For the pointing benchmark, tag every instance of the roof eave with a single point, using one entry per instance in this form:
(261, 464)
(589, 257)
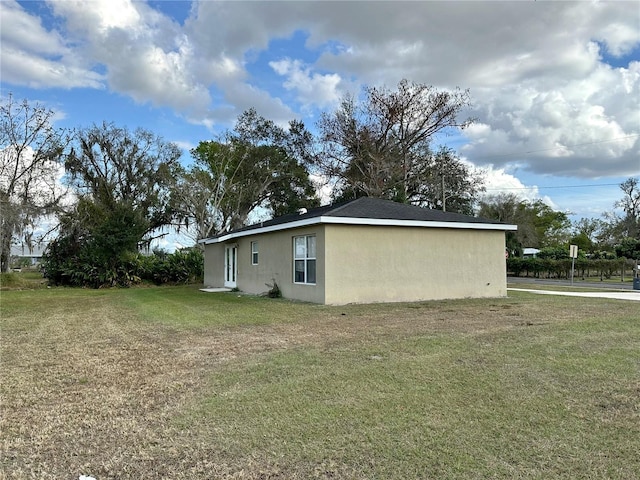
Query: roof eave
(357, 221)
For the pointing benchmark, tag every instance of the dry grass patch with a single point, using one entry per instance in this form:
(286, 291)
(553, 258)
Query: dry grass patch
(173, 383)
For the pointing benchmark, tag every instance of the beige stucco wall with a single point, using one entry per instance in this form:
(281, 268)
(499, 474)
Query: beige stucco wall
(391, 264)
(363, 264)
(214, 265)
(275, 262)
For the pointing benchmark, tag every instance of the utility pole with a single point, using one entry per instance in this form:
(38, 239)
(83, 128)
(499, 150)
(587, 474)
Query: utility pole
(444, 197)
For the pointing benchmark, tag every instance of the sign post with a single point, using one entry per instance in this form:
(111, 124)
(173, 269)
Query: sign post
(573, 253)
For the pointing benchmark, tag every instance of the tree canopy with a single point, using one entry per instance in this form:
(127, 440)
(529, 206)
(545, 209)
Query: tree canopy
(382, 146)
(258, 164)
(538, 224)
(630, 204)
(30, 154)
(121, 180)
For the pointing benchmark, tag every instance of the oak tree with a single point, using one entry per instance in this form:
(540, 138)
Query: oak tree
(122, 181)
(30, 155)
(257, 164)
(382, 146)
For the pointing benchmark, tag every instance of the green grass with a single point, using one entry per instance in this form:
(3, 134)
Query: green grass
(174, 383)
(441, 407)
(27, 279)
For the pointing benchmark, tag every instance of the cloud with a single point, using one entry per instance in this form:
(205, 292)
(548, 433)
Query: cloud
(545, 97)
(36, 57)
(499, 181)
(585, 127)
(313, 89)
(144, 53)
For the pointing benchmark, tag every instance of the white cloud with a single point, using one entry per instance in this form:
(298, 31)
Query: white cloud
(544, 98)
(498, 181)
(145, 54)
(36, 57)
(584, 128)
(313, 89)
(25, 32)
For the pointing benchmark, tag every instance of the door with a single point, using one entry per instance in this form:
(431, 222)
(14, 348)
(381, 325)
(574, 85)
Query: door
(230, 266)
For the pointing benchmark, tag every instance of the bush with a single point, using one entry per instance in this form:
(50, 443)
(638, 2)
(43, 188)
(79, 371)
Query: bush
(561, 268)
(182, 266)
(63, 266)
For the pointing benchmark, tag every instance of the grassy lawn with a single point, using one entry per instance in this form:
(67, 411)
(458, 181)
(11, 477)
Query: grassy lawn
(174, 383)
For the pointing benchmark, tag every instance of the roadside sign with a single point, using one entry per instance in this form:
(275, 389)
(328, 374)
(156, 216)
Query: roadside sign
(573, 251)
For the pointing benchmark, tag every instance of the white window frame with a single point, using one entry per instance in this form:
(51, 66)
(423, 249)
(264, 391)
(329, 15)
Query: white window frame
(254, 253)
(305, 259)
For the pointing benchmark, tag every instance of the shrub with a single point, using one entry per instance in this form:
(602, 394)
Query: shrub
(63, 266)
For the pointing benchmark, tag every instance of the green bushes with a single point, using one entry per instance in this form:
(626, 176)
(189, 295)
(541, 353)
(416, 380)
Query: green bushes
(183, 266)
(561, 268)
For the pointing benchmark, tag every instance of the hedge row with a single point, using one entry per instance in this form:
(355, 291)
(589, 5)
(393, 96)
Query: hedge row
(551, 268)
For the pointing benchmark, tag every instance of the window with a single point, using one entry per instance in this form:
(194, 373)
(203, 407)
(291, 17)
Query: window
(304, 259)
(254, 253)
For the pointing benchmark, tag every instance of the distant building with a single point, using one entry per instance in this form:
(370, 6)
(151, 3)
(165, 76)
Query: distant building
(21, 252)
(530, 252)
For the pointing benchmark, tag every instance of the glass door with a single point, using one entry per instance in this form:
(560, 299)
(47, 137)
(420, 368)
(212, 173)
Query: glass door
(230, 266)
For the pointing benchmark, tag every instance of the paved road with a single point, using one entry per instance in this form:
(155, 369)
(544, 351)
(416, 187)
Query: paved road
(632, 295)
(567, 283)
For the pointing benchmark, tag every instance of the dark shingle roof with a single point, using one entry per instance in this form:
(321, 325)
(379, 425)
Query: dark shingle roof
(369, 208)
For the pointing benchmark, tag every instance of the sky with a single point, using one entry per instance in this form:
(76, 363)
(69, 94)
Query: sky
(555, 86)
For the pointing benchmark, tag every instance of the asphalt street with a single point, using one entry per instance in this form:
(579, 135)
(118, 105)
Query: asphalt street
(618, 295)
(618, 290)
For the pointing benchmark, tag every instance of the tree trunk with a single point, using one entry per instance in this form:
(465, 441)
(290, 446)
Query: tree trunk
(5, 252)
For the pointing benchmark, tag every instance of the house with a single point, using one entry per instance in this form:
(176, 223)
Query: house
(361, 251)
(22, 255)
(530, 252)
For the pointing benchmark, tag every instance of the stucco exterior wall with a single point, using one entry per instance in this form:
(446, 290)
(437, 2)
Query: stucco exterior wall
(275, 262)
(363, 264)
(391, 264)
(214, 265)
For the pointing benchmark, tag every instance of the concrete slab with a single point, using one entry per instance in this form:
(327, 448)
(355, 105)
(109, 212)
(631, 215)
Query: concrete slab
(215, 290)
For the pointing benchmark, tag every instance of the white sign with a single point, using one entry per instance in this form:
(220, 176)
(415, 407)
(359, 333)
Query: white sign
(573, 251)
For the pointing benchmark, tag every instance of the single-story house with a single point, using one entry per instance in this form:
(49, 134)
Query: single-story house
(361, 251)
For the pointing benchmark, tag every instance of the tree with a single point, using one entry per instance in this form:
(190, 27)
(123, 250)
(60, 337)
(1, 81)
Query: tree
(381, 147)
(509, 208)
(552, 227)
(112, 167)
(30, 155)
(538, 224)
(196, 200)
(628, 248)
(121, 180)
(258, 164)
(630, 204)
(614, 228)
(446, 184)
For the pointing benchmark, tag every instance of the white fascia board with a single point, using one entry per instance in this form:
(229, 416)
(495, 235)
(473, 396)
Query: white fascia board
(416, 223)
(270, 228)
(359, 221)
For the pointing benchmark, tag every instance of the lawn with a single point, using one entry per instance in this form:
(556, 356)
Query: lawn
(169, 382)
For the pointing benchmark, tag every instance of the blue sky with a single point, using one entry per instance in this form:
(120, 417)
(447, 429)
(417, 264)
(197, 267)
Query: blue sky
(555, 85)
